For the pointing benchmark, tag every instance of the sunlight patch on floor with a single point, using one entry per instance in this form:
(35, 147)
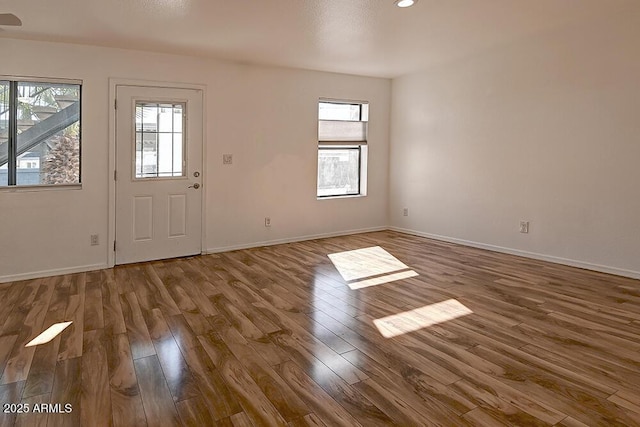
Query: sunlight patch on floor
(419, 318)
(379, 280)
(372, 266)
(51, 332)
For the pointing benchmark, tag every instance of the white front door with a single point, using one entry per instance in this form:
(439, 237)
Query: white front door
(158, 173)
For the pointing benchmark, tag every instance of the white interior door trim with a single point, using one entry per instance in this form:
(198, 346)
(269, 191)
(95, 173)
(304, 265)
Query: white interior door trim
(113, 84)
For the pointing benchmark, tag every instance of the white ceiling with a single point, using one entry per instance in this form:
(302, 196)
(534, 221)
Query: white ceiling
(364, 37)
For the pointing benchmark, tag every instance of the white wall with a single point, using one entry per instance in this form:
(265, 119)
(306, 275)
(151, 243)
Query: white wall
(266, 117)
(545, 130)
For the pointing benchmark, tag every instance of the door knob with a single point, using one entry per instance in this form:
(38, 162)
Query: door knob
(196, 186)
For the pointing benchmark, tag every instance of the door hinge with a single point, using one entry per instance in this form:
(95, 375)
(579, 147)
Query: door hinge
(114, 246)
(115, 175)
(115, 104)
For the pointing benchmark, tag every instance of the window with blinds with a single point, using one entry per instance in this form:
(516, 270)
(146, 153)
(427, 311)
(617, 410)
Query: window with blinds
(342, 147)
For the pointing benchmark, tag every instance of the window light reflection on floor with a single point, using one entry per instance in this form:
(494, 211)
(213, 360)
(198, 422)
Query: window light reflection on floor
(51, 332)
(372, 266)
(382, 279)
(419, 318)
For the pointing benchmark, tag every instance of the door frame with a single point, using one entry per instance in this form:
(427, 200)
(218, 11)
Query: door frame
(113, 85)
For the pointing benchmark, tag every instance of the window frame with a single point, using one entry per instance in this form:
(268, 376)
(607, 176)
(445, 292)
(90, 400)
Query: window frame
(338, 147)
(134, 172)
(361, 146)
(12, 128)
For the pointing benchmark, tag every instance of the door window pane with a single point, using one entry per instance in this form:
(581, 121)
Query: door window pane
(159, 140)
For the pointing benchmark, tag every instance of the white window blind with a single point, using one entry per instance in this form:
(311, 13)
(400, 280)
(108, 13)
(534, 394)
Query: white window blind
(342, 129)
(337, 132)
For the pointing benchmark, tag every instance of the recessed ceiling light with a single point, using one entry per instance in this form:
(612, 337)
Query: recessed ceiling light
(405, 3)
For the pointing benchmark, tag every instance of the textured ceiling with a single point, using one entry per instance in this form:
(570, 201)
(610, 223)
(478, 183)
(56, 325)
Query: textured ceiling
(365, 37)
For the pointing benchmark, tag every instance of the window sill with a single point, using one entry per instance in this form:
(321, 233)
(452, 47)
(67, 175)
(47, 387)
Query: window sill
(346, 196)
(36, 188)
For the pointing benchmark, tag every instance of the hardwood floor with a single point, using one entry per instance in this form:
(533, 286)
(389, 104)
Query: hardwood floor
(276, 336)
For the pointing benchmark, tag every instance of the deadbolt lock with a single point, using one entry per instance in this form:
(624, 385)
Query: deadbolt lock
(196, 174)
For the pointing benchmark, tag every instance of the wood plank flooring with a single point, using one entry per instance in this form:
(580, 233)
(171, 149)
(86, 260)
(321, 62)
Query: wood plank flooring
(276, 336)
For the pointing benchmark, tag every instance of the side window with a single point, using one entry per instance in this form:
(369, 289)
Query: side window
(342, 148)
(39, 133)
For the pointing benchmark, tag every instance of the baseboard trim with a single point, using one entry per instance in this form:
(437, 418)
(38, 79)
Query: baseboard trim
(94, 267)
(533, 255)
(54, 272)
(219, 249)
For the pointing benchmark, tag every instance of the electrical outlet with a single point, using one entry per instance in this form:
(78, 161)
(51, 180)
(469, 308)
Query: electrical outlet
(227, 159)
(405, 212)
(95, 240)
(524, 226)
(267, 221)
